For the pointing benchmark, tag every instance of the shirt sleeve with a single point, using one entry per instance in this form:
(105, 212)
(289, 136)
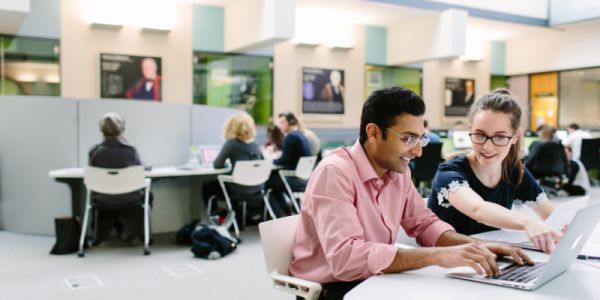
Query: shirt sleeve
(529, 192)
(420, 222)
(286, 151)
(339, 230)
(447, 180)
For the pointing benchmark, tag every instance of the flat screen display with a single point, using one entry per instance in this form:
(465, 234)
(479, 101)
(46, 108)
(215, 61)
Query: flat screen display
(130, 77)
(322, 91)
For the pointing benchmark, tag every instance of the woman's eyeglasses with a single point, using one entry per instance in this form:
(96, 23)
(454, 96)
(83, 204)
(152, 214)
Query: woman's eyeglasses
(410, 140)
(497, 140)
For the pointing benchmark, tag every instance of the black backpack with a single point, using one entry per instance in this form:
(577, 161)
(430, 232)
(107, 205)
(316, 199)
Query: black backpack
(212, 242)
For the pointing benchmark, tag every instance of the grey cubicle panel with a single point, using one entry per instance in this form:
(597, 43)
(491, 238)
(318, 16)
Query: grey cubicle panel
(207, 124)
(159, 131)
(37, 134)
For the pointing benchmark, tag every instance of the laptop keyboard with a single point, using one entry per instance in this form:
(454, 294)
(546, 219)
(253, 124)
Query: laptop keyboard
(519, 273)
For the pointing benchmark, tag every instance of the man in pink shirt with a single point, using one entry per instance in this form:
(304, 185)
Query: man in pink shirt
(358, 197)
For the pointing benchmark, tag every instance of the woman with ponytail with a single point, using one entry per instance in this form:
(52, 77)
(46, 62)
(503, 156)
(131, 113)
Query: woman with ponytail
(476, 191)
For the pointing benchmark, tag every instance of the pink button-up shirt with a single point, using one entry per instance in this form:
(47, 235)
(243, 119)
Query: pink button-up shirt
(350, 218)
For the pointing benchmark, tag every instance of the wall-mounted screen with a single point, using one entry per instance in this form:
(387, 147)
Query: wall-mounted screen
(131, 77)
(322, 91)
(459, 94)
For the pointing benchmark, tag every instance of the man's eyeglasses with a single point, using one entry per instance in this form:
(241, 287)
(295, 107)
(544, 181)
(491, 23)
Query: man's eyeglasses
(497, 140)
(410, 140)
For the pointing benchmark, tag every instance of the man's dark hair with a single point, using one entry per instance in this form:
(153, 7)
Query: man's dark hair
(383, 106)
(289, 117)
(574, 126)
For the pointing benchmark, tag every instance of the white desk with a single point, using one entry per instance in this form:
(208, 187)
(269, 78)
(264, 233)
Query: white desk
(581, 281)
(73, 177)
(159, 172)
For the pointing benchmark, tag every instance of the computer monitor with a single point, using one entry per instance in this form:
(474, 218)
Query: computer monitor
(561, 135)
(208, 154)
(461, 139)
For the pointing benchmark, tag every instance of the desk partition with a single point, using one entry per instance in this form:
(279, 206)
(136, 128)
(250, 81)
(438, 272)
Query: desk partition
(39, 134)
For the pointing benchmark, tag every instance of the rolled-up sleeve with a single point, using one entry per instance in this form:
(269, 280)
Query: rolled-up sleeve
(420, 222)
(339, 229)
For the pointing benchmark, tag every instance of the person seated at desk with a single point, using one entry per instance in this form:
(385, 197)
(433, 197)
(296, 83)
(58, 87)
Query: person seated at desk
(475, 192)
(116, 152)
(272, 148)
(239, 132)
(358, 198)
(576, 134)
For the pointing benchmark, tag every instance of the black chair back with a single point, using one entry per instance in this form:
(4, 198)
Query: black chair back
(590, 153)
(547, 159)
(426, 165)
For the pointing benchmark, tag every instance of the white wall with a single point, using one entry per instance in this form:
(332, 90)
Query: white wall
(529, 8)
(254, 24)
(575, 47)
(81, 46)
(288, 62)
(434, 73)
(569, 11)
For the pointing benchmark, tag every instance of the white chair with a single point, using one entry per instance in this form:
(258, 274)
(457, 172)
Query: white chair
(304, 168)
(277, 237)
(247, 173)
(114, 182)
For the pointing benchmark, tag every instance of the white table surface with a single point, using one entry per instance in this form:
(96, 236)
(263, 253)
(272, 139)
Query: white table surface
(155, 172)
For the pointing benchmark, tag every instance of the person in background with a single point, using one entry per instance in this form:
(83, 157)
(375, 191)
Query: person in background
(578, 180)
(147, 87)
(475, 192)
(295, 145)
(433, 137)
(313, 140)
(122, 212)
(359, 197)
(574, 139)
(272, 148)
(239, 132)
(546, 156)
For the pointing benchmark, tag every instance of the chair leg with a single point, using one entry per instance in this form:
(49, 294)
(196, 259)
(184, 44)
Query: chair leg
(146, 223)
(84, 226)
(268, 205)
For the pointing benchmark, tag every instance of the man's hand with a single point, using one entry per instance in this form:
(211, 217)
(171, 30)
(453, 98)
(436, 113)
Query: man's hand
(517, 254)
(476, 256)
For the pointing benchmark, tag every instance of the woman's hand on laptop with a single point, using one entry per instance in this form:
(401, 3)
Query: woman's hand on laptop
(517, 254)
(541, 235)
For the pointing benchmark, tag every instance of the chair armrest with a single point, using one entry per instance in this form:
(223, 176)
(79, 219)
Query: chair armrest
(287, 172)
(225, 178)
(296, 286)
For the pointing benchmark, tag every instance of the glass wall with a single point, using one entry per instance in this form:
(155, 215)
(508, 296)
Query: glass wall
(498, 81)
(29, 66)
(378, 77)
(236, 81)
(579, 94)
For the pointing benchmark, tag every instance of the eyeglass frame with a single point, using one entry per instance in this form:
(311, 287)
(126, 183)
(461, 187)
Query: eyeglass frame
(491, 138)
(407, 139)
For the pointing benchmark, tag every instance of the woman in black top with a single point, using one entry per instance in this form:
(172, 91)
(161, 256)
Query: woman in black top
(475, 192)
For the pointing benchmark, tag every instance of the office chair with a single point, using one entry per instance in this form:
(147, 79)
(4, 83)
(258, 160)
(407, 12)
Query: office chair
(248, 173)
(303, 170)
(424, 167)
(277, 237)
(590, 154)
(114, 182)
(547, 162)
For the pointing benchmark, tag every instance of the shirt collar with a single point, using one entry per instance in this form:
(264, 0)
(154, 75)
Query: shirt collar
(363, 165)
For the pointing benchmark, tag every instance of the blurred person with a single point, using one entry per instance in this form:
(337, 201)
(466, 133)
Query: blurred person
(433, 137)
(122, 212)
(272, 148)
(574, 139)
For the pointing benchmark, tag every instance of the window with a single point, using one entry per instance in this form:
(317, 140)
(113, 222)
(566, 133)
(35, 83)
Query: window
(235, 80)
(579, 95)
(378, 77)
(29, 66)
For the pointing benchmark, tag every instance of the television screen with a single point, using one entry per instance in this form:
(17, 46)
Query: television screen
(459, 94)
(322, 91)
(130, 77)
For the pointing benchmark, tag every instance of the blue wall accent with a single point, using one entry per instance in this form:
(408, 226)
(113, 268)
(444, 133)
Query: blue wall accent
(498, 55)
(43, 20)
(208, 28)
(376, 45)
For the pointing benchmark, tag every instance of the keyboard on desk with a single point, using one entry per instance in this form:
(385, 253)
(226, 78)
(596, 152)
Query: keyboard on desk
(521, 273)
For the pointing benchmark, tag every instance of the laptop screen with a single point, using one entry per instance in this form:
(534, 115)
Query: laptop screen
(208, 154)
(461, 140)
